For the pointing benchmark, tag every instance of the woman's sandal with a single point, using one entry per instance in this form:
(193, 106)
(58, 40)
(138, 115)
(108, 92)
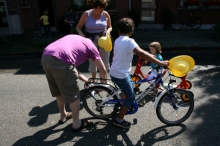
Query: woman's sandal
(84, 124)
(68, 116)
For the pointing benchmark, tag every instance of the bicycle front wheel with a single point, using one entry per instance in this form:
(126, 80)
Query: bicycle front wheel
(170, 116)
(177, 23)
(92, 99)
(195, 23)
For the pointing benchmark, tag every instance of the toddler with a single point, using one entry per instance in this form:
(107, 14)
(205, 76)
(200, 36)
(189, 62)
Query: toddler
(155, 50)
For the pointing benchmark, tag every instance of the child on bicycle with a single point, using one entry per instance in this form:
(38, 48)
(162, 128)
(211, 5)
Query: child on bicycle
(155, 50)
(124, 49)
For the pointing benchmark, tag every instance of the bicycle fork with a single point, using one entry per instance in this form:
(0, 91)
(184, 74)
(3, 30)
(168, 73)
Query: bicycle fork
(171, 97)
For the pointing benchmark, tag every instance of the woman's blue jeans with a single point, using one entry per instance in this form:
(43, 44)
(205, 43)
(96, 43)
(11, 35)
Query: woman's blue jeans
(126, 87)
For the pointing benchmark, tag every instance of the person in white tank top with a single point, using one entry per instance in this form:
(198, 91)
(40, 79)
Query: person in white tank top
(96, 22)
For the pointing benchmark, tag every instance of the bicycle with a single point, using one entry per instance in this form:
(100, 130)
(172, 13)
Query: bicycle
(193, 22)
(103, 101)
(138, 75)
(41, 32)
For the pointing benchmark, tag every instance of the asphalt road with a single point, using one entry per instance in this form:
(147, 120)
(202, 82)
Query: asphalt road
(29, 114)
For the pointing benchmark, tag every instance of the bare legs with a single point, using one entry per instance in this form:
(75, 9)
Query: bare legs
(122, 112)
(74, 106)
(61, 106)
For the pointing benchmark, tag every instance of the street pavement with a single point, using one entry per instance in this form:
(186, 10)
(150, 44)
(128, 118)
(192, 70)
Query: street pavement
(29, 114)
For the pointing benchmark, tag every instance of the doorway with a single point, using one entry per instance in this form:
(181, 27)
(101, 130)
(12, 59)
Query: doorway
(4, 26)
(148, 11)
(47, 5)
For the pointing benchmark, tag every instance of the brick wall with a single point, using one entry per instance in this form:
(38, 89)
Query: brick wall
(28, 15)
(122, 7)
(62, 6)
(206, 15)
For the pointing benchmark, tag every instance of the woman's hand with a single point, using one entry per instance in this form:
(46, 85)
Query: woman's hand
(107, 33)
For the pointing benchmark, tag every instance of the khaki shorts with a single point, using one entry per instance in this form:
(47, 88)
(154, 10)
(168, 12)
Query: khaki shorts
(62, 78)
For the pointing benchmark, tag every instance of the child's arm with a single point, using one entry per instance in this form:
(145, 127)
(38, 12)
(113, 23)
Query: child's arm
(147, 56)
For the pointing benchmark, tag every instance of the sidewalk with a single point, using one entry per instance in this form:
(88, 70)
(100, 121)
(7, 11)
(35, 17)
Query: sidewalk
(170, 40)
(177, 40)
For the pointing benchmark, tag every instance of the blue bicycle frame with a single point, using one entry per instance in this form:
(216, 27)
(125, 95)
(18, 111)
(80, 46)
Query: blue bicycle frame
(158, 80)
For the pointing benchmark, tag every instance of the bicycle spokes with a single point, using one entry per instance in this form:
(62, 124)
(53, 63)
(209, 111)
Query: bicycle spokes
(172, 101)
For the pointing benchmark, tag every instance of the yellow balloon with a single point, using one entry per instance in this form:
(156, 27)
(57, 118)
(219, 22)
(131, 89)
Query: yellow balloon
(105, 42)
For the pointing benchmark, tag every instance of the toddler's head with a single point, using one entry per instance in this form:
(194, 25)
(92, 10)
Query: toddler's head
(45, 12)
(155, 48)
(126, 26)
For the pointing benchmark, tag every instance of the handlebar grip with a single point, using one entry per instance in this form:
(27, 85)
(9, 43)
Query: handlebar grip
(172, 81)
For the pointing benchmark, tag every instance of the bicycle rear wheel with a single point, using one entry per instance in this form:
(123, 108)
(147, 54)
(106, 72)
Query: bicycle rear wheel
(93, 97)
(195, 23)
(177, 23)
(168, 115)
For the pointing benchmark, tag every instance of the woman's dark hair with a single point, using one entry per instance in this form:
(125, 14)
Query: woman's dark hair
(100, 3)
(126, 25)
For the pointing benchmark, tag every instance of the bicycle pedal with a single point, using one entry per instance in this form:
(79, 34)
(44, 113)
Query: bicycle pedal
(139, 92)
(142, 103)
(153, 99)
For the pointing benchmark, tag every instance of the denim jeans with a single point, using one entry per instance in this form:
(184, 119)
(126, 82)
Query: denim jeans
(126, 87)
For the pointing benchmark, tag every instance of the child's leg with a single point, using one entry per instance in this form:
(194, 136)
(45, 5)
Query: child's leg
(127, 88)
(148, 73)
(152, 74)
(123, 96)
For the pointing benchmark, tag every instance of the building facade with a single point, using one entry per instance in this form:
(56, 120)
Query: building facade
(19, 16)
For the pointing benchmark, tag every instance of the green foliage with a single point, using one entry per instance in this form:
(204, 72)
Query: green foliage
(166, 16)
(135, 15)
(216, 32)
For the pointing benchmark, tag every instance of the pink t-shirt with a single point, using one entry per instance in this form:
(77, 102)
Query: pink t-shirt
(73, 49)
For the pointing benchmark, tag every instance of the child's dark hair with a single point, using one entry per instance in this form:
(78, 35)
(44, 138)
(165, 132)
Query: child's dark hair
(126, 26)
(157, 46)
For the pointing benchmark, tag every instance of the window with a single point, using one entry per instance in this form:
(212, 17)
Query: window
(26, 3)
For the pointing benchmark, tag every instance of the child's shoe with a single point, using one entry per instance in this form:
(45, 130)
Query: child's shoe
(124, 124)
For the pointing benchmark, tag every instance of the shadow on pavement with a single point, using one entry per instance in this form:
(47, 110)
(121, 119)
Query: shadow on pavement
(41, 113)
(86, 138)
(100, 132)
(206, 115)
(160, 134)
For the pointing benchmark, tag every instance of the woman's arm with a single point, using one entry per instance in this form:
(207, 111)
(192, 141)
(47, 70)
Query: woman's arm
(109, 25)
(81, 22)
